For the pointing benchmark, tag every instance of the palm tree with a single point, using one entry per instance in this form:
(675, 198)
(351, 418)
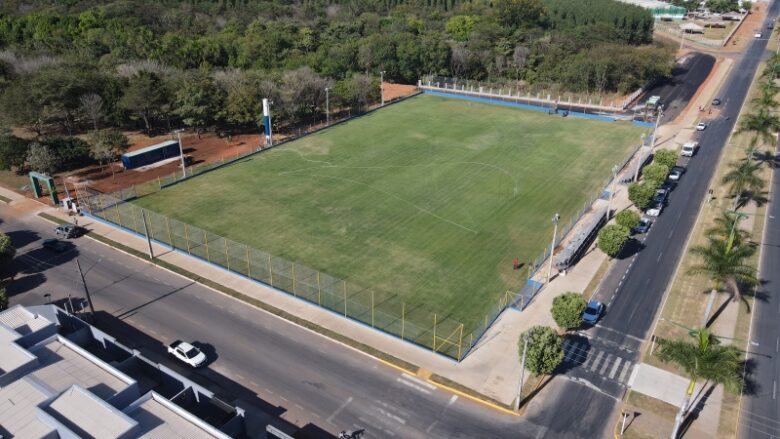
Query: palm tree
(725, 265)
(743, 181)
(704, 359)
(772, 66)
(762, 124)
(725, 229)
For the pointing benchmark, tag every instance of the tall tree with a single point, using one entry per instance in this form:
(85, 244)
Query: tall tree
(143, 96)
(725, 265)
(743, 180)
(198, 100)
(92, 106)
(545, 350)
(105, 145)
(762, 124)
(41, 158)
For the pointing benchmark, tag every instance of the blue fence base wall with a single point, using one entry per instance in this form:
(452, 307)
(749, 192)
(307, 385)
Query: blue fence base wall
(539, 108)
(164, 244)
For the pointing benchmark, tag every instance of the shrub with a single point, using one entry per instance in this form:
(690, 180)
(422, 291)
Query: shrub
(628, 219)
(641, 193)
(545, 350)
(611, 239)
(567, 310)
(666, 157)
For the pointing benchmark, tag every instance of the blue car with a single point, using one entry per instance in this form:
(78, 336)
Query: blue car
(592, 312)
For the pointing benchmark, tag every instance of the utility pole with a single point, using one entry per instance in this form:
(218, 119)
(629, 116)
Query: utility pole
(181, 155)
(639, 159)
(522, 373)
(382, 86)
(555, 220)
(327, 106)
(86, 291)
(146, 232)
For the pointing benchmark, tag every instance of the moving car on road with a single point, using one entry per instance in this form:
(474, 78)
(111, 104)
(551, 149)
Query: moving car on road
(592, 312)
(69, 230)
(187, 353)
(56, 245)
(716, 102)
(701, 126)
(643, 226)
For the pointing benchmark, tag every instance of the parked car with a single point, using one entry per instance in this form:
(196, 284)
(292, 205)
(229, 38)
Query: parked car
(187, 353)
(643, 226)
(716, 102)
(56, 245)
(654, 209)
(592, 312)
(69, 230)
(689, 149)
(661, 195)
(676, 173)
(701, 126)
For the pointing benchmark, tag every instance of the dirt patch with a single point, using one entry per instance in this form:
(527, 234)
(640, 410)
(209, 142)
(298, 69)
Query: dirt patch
(395, 91)
(752, 23)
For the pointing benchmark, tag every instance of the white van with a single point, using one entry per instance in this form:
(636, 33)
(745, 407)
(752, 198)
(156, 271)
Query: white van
(689, 149)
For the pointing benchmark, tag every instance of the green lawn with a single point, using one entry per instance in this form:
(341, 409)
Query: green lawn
(425, 202)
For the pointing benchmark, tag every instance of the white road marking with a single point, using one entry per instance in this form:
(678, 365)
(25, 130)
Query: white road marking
(338, 410)
(606, 364)
(774, 389)
(430, 427)
(626, 368)
(777, 345)
(596, 361)
(419, 381)
(414, 386)
(615, 368)
(269, 391)
(659, 256)
(452, 400)
(395, 418)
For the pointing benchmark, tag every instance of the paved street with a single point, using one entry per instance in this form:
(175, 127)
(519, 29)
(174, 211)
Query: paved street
(257, 358)
(760, 416)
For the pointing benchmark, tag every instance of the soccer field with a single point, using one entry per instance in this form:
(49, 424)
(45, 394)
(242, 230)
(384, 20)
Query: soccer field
(425, 202)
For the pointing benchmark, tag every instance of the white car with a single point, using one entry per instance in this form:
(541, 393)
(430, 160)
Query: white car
(701, 126)
(689, 149)
(654, 209)
(187, 353)
(758, 35)
(676, 173)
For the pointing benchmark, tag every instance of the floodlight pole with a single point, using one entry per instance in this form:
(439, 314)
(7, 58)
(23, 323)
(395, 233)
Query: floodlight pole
(555, 220)
(382, 86)
(327, 106)
(181, 155)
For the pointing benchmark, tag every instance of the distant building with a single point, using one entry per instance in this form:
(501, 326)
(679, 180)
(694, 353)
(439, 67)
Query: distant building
(660, 10)
(62, 378)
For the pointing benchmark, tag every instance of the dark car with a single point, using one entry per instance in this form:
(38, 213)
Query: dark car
(643, 226)
(592, 312)
(56, 245)
(716, 102)
(676, 173)
(69, 230)
(661, 195)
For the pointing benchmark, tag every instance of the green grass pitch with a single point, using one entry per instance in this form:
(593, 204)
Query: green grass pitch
(428, 200)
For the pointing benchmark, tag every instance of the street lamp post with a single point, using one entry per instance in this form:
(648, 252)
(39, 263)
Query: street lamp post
(382, 86)
(639, 159)
(522, 373)
(327, 106)
(612, 190)
(181, 155)
(555, 220)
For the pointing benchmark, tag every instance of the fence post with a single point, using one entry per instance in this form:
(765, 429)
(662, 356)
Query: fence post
(248, 265)
(206, 243)
(270, 271)
(434, 332)
(345, 297)
(151, 227)
(460, 341)
(293, 276)
(227, 256)
(118, 217)
(168, 228)
(403, 311)
(135, 222)
(372, 308)
(319, 291)
(187, 237)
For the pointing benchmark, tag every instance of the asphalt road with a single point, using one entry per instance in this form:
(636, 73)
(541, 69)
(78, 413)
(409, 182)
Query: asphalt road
(633, 289)
(760, 415)
(256, 358)
(685, 82)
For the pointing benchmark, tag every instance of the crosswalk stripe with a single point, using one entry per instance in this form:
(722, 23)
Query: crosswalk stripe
(606, 364)
(615, 368)
(626, 368)
(596, 361)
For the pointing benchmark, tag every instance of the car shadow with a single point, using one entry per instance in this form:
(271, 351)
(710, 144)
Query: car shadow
(208, 350)
(630, 248)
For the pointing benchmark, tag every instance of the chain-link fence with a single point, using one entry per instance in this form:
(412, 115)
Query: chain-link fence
(377, 309)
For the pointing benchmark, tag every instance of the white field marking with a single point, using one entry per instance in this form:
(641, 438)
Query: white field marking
(418, 381)
(414, 386)
(452, 400)
(338, 410)
(421, 209)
